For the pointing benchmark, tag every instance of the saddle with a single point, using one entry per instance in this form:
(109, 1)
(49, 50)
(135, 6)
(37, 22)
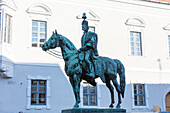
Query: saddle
(98, 66)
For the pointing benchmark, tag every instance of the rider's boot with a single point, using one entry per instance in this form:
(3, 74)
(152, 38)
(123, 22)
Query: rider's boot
(91, 71)
(91, 74)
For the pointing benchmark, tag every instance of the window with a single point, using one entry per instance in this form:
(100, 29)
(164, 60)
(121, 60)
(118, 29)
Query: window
(169, 44)
(40, 15)
(139, 94)
(39, 29)
(7, 30)
(92, 29)
(38, 92)
(0, 27)
(135, 43)
(89, 96)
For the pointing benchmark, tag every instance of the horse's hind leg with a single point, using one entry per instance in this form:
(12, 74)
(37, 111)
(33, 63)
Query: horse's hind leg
(120, 101)
(118, 91)
(110, 87)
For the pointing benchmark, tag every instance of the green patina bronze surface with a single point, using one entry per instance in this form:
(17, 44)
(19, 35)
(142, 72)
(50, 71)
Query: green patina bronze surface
(85, 64)
(93, 110)
(89, 48)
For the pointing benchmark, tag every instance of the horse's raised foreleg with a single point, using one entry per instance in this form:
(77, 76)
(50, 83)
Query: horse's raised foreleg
(118, 91)
(111, 89)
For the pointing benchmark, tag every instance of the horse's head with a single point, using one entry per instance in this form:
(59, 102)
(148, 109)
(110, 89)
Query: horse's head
(53, 42)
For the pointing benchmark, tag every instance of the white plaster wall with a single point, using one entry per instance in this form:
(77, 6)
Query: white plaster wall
(113, 33)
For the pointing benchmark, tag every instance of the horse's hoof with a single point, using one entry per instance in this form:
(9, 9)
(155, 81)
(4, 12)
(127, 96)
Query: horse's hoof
(76, 106)
(79, 101)
(111, 106)
(118, 106)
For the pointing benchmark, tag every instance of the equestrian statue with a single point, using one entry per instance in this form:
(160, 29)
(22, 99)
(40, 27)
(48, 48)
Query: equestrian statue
(86, 64)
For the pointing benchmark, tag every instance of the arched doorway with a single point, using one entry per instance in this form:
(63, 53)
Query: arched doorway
(167, 101)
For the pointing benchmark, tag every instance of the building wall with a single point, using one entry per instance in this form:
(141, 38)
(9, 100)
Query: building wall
(112, 32)
(14, 92)
(113, 21)
(155, 94)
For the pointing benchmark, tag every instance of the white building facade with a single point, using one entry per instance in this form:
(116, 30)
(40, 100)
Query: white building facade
(137, 32)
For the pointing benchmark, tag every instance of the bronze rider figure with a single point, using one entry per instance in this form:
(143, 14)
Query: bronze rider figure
(89, 47)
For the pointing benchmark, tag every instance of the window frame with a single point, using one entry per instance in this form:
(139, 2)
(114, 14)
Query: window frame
(4, 12)
(135, 42)
(136, 24)
(168, 43)
(38, 17)
(146, 106)
(138, 94)
(1, 34)
(7, 37)
(89, 94)
(167, 35)
(92, 27)
(38, 33)
(48, 94)
(38, 91)
(143, 46)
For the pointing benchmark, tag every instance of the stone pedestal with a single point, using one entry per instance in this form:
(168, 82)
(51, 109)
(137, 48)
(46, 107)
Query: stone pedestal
(93, 110)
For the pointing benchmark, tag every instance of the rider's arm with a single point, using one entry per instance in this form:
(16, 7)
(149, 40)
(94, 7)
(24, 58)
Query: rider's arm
(91, 44)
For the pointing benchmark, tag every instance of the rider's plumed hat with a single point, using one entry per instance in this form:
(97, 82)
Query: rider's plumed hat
(84, 21)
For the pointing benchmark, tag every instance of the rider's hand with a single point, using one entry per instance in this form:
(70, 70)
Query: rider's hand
(83, 48)
(79, 51)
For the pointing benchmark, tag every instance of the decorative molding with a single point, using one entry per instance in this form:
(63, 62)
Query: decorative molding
(9, 3)
(98, 96)
(7, 66)
(135, 21)
(167, 27)
(31, 77)
(159, 1)
(38, 12)
(81, 95)
(90, 16)
(147, 70)
(39, 9)
(38, 64)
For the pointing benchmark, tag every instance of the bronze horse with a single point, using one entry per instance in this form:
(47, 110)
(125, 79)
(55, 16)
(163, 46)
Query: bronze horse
(107, 68)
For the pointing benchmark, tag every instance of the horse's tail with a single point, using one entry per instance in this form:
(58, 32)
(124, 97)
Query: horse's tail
(121, 72)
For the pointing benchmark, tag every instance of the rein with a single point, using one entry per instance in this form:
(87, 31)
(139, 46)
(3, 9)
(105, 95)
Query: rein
(53, 53)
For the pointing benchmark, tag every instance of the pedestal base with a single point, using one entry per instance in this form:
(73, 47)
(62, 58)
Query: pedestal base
(94, 110)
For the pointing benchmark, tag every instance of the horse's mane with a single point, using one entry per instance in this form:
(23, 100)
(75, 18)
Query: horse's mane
(68, 42)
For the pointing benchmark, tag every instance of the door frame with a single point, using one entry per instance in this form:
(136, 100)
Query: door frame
(164, 97)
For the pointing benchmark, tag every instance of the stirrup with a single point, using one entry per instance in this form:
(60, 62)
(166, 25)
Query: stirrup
(95, 57)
